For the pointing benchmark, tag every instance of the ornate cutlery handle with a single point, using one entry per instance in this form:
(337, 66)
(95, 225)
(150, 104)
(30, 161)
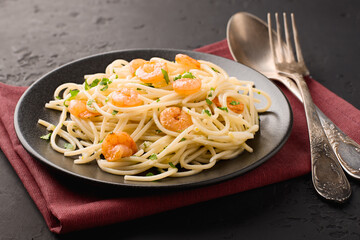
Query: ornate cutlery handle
(346, 150)
(328, 178)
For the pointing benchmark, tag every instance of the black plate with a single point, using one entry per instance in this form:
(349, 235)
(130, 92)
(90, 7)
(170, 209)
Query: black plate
(275, 125)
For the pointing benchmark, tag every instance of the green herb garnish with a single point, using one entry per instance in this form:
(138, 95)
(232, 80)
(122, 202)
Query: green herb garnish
(224, 109)
(158, 131)
(105, 82)
(114, 112)
(184, 75)
(93, 84)
(73, 94)
(177, 77)
(90, 102)
(147, 84)
(234, 103)
(153, 156)
(215, 70)
(171, 165)
(46, 136)
(207, 112)
(188, 75)
(183, 139)
(208, 101)
(59, 98)
(166, 76)
(68, 146)
(149, 174)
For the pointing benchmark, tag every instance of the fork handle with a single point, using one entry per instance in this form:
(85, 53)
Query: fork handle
(328, 178)
(346, 149)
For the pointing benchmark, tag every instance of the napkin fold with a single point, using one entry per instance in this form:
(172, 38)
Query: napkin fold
(69, 208)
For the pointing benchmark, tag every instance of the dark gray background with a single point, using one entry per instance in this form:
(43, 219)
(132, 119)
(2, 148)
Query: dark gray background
(37, 36)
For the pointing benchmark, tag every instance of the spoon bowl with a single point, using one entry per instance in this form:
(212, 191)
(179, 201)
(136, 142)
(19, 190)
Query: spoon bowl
(245, 29)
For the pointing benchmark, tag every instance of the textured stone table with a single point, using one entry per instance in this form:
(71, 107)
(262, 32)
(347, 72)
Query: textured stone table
(38, 36)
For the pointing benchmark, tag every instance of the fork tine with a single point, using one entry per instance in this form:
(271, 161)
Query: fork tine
(296, 40)
(289, 50)
(278, 33)
(271, 37)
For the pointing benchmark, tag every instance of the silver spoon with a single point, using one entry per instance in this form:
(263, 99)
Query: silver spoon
(248, 41)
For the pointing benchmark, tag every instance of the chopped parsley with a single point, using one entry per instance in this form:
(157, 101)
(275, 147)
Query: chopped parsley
(224, 109)
(183, 139)
(68, 146)
(59, 98)
(211, 92)
(188, 75)
(234, 103)
(147, 84)
(105, 82)
(93, 84)
(208, 101)
(139, 89)
(46, 136)
(90, 102)
(158, 131)
(207, 112)
(166, 76)
(171, 165)
(177, 77)
(114, 112)
(184, 75)
(215, 70)
(73, 94)
(158, 100)
(149, 174)
(106, 99)
(153, 156)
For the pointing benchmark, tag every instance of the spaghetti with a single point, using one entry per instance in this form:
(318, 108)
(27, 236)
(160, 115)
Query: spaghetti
(148, 120)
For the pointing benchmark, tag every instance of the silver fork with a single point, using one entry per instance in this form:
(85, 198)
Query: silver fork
(328, 178)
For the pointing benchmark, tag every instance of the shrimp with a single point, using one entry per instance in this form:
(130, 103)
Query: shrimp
(187, 86)
(126, 97)
(232, 104)
(151, 72)
(117, 145)
(174, 119)
(78, 109)
(187, 61)
(135, 64)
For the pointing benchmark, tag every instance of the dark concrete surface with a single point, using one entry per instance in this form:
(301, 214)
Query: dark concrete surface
(36, 36)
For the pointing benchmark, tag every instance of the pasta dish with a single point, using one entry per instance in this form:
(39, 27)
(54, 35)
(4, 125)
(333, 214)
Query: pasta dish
(152, 119)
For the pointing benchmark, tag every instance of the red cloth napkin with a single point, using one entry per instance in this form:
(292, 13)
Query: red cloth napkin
(68, 209)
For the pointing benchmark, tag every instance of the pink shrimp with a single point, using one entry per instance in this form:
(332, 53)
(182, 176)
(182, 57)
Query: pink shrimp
(232, 104)
(187, 86)
(135, 64)
(117, 145)
(189, 62)
(152, 72)
(78, 109)
(125, 97)
(174, 119)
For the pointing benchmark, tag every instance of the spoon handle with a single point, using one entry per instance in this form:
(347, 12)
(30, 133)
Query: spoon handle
(328, 178)
(346, 149)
